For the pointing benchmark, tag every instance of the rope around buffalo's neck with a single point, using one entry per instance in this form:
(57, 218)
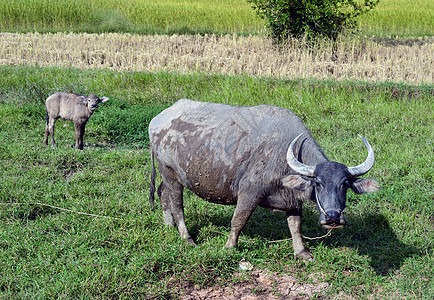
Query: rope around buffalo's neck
(320, 206)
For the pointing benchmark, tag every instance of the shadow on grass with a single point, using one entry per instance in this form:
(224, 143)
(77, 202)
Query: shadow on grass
(30, 212)
(370, 235)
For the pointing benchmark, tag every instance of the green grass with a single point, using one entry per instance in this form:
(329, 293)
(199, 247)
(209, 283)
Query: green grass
(401, 18)
(390, 18)
(134, 16)
(386, 250)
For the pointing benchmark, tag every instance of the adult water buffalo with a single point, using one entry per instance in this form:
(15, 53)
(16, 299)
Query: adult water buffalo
(248, 156)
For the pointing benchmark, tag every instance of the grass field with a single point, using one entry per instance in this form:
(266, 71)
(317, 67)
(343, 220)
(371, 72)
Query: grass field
(77, 224)
(399, 18)
(134, 16)
(385, 251)
(390, 18)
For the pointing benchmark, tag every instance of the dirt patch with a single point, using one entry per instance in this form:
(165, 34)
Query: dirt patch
(258, 284)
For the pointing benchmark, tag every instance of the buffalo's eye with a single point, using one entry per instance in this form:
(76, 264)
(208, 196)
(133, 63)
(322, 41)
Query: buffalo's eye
(319, 183)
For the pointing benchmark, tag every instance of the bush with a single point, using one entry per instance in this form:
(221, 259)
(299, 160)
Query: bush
(297, 18)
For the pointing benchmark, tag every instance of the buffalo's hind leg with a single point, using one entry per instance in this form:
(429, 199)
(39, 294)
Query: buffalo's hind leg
(49, 131)
(173, 207)
(165, 205)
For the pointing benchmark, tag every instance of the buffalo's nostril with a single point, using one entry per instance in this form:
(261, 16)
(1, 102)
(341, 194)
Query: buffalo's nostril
(332, 220)
(333, 217)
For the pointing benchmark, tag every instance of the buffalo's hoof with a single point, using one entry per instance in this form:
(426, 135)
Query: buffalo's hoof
(230, 245)
(304, 255)
(190, 241)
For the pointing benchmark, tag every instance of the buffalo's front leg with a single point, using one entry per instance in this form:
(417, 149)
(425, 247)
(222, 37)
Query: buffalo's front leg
(243, 211)
(79, 133)
(294, 224)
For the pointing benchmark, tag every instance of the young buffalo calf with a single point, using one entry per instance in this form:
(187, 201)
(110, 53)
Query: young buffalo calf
(70, 107)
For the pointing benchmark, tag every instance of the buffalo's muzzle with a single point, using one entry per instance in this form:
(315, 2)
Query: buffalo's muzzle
(332, 220)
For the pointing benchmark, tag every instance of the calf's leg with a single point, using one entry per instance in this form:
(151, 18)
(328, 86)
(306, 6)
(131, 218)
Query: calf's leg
(47, 133)
(49, 130)
(79, 133)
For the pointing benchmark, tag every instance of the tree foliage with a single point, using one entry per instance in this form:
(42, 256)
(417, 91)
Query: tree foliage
(297, 18)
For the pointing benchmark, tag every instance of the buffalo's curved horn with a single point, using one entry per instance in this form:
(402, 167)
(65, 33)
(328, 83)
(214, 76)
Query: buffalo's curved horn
(366, 165)
(295, 164)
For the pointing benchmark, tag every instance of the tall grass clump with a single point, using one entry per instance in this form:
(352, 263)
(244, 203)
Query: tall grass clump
(123, 123)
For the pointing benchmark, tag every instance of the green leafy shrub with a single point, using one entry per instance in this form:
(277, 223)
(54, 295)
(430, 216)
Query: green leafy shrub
(325, 18)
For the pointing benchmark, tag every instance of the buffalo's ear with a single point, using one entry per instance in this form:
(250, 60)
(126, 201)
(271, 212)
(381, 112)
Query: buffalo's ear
(104, 99)
(83, 99)
(364, 185)
(296, 182)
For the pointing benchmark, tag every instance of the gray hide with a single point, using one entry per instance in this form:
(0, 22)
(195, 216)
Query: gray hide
(70, 107)
(238, 156)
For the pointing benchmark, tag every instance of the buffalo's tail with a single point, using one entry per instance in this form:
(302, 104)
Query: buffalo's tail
(47, 116)
(152, 187)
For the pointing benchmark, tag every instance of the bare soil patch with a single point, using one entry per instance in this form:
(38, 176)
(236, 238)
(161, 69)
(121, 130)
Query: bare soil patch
(257, 285)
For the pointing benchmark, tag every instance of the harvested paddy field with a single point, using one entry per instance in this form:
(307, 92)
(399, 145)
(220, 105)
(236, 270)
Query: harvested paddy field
(407, 61)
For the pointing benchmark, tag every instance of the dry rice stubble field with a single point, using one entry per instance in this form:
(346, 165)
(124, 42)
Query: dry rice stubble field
(407, 61)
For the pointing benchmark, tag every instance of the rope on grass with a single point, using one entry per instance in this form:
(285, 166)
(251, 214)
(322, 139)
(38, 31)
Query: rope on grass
(329, 233)
(60, 208)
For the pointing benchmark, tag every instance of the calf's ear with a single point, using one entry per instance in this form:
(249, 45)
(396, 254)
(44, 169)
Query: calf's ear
(103, 99)
(364, 185)
(296, 182)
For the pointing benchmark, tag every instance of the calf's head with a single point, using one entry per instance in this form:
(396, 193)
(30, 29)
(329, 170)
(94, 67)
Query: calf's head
(328, 182)
(92, 101)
